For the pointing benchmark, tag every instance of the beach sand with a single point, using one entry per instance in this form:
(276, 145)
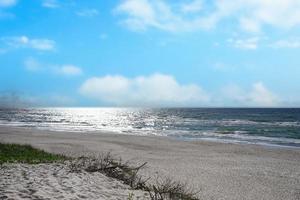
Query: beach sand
(218, 170)
(55, 181)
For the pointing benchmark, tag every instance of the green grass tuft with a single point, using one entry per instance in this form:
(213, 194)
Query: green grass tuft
(15, 153)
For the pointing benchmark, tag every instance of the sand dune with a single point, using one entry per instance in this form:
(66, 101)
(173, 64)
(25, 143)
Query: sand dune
(55, 181)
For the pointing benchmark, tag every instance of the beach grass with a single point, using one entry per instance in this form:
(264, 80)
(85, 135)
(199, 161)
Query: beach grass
(16, 153)
(161, 189)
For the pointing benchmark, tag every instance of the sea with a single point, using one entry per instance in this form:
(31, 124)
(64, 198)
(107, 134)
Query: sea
(264, 126)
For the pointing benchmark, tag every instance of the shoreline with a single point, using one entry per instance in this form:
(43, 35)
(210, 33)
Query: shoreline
(242, 140)
(219, 170)
(238, 142)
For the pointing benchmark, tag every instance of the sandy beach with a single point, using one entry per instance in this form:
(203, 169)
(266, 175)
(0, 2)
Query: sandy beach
(55, 181)
(218, 170)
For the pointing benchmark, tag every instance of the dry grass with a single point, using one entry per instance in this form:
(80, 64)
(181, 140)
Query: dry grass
(111, 167)
(168, 189)
(162, 189)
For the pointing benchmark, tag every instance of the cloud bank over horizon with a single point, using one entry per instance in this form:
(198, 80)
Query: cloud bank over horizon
(159, 90)
(153, 90)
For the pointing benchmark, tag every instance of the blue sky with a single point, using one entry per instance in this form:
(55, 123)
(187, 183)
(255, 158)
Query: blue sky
(232, 53)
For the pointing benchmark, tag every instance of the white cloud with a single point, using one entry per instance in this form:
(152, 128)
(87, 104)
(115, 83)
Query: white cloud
(261, 96)
(143, 14)
(69, 70)
(50, 4)
(25, 42)
(42, 44)
(140, 14)
(32, 64)
(249, 43)
(253, 43)
(257, 96)
(164, 90)
(250, 25)
(251, 15)
(88, 13)
(153, 90)
(192, 7)
(289, 43)
(7, 3)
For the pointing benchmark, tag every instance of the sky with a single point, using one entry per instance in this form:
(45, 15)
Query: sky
(150, 53)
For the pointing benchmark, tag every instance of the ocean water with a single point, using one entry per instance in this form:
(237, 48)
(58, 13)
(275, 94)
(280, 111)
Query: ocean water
(254, 126)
